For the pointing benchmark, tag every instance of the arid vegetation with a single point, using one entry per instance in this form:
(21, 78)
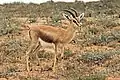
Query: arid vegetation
(94, 54)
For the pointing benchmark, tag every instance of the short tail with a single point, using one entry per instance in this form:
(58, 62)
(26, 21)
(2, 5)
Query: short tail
(25, 27)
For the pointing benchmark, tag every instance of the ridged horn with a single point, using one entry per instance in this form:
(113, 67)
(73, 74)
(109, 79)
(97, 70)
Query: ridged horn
(76, 13)
(70, 13)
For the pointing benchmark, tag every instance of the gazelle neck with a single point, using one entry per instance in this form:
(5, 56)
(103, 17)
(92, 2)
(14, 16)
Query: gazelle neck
(70, 28)
(70, 33)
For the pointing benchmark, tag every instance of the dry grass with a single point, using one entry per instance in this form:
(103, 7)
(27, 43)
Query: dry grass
(93, 55)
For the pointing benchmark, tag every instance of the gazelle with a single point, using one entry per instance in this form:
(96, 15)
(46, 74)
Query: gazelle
(55, 35)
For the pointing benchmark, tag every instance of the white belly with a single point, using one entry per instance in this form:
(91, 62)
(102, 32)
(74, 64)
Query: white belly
(45, 44)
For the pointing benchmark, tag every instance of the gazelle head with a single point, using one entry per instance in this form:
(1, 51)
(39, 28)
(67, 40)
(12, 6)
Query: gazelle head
(74, 17)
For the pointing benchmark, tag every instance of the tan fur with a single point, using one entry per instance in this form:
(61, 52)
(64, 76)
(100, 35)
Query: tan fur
(50, 34)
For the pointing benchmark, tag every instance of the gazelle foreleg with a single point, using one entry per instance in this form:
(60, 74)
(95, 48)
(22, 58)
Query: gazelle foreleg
(55, 56)
(32, 48)
(62, 55)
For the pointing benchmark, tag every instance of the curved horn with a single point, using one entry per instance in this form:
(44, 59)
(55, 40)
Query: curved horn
(76, 13)
(70, 13)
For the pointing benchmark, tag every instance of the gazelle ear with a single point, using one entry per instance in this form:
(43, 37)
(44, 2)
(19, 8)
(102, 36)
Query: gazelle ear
(81, 16)
(66, 16)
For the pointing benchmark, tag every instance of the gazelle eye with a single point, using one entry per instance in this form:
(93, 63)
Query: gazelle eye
(75, 22)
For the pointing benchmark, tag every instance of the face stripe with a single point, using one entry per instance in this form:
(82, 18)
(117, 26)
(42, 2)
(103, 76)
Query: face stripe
(76, 22)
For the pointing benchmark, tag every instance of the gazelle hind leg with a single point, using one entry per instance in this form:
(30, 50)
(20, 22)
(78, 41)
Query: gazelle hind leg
(34, 41)
(27, 55)
(36, 49)
(27, 61)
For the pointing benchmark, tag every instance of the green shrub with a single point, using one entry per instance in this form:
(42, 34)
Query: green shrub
(13, 49)
(67, 52)
(98, 57)
(7, 26)
(93, 77)
(44, 54)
